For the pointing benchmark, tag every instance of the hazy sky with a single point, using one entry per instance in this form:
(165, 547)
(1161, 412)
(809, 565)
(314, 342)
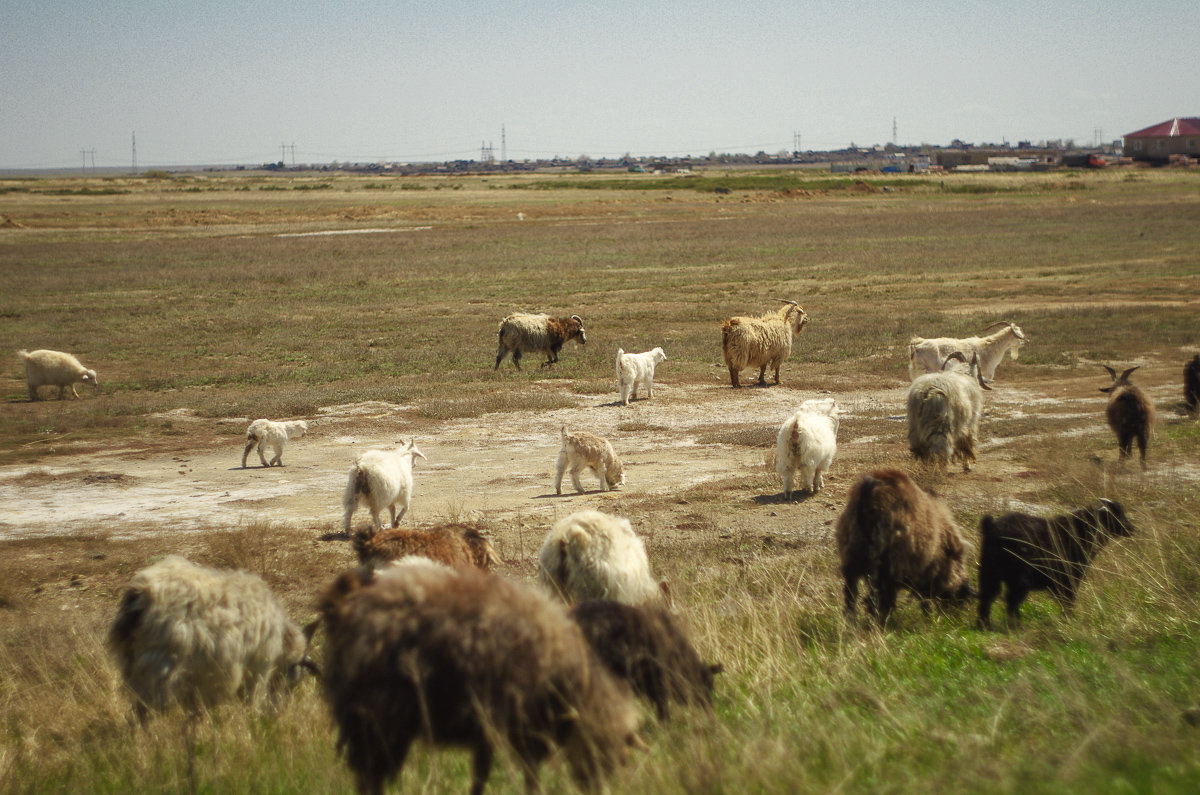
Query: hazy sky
(228, 81)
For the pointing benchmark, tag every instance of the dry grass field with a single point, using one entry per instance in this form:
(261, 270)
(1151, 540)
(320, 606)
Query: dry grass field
(369, 307)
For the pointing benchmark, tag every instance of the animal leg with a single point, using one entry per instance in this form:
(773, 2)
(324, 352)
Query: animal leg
(262, 457)
(818, 482)
(516, 357)
(1014, 595)
(850, 589)
(787, 476)
(650, 387)
(989, 589)
(762, 376)
(481, 766)
(62, 392)
(1141, 443)
(400, 515)
(602, 473)
(562, 467)
(246, 453)
(33, 395)
(733, 377)
(575, 481)
(777, 374)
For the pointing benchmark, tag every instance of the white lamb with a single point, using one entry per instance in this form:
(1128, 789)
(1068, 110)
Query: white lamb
(807, 442)
(593, 555)
(381, 479)
(637, 369)
(268, 433)
(582, 450)
(54, 368)
(193, 636)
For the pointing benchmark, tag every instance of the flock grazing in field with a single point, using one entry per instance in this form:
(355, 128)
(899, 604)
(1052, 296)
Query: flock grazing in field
(424, 640)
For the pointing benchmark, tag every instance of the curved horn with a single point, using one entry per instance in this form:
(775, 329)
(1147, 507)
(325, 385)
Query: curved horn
(1000, 323)
(786, 301)
(1111, 372)
(1107, 503)
(577, 317)
(1125, 375)
(953, 355)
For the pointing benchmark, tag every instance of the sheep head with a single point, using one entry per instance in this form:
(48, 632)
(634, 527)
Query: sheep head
(1118, 380)
(801, 316)
(1112, 518)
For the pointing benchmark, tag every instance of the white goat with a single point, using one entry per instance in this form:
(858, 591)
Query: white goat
(637, 369)
(593, 555)
(269, 433)
(929, 354)
(193, 636)
(943, 413)
(807, 442)
(582, 450)
(761, 342)
(381, 479)
(54, 368)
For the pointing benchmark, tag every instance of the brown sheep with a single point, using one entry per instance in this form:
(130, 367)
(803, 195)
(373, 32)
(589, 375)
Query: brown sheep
(452, 544)
(761, 341)
(463, 658)
(524, 333)
(1191, 385)
(897, 536)
(1130, 413)
(643, 646)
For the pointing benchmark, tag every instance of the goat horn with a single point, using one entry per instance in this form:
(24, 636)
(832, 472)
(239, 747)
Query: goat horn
(786, 301)
(953, 355)
(1125, 374)
(1111, 371)
(577, 317)
(1106, 502)
(1001, 323)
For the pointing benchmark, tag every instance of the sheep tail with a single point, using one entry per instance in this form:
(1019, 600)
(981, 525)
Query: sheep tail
(362, 484)
(620, 353)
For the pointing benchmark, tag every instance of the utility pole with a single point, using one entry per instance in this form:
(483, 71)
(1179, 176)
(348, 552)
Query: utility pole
(894, 136)
(796, 142)
(503, 145)
(134, 153)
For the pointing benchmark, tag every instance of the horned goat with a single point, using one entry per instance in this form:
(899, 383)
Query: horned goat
(452, 544)
(54, 368)
(593, 555)
(1027, 553)
(643, 646)
(636, 370)
(807, 442)
(929, 354)
(943, 413)
(1130, 413)
(462, 658)
(269, 433)
(381, 479)
(194, 636)
(1191, 385)
(581, 450)
(896, 535)
(761, 341)
(525, 333)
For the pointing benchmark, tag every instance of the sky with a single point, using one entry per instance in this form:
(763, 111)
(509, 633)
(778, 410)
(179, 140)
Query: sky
(235, 81)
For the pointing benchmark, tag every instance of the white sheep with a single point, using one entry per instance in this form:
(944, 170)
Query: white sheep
(929, 354)
(381, 479)
(761, 342)
(522, 332)
(593, 555)
(269, 433)
(193, 636)
(944, 409)
(582, 450)
(807, 442)
(635, 370)
(54, 368)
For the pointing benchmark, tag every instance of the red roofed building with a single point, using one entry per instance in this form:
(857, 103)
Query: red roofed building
(1175, 137)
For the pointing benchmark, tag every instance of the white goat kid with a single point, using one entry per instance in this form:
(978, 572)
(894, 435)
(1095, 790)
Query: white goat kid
(269, 433)
(636, 370)
(806, 443)
(381, 479)
(582, 450)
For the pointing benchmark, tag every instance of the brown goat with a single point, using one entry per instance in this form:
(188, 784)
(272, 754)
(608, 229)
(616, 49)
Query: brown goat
(1191, 385)
(452, 544)
(643, 646)
(462, 658)
(1130, 413)
(524, 333)
(897, 536)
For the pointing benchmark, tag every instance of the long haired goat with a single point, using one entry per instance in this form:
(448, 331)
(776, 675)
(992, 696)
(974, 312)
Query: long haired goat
(1130, 414)
(761, 342)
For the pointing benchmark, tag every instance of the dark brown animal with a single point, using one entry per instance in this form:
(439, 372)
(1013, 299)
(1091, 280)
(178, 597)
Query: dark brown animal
(1130, 413)
(1191, 385)
(1027, 553)
(463, 658)
(453, 544)
(643, 646)
(897, 536)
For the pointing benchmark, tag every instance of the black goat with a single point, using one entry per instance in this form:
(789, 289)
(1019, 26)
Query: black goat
(1130, 413)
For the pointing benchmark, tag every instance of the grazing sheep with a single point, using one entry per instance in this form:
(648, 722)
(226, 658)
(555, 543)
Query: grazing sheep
(452, 544)
(1130, 413)
(807, 442)
(381, 479)
(637, 369)
(644, 647)
(1027, 553)
(943, 414)
(593, 555)
(930, 354)
(55, 368)
(189, 635)
(582, 450)
(761, 341)
(1191, 385)
(524, 333)
(268, 433)
(897, 536)
(462, 658)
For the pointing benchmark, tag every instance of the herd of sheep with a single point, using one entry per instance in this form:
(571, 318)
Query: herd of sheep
(425, 641)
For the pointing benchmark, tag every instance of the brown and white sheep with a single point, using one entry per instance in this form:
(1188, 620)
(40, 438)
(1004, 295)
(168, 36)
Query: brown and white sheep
(594, 555)
(521, 333)
(1130, 414)
(381, 479)
(452, 544)
(645, 647)
(269, 433)
(944, 409)
(462, 658)
(581, 450)
(761, 342)
(194, 636)
(1028, 553)
(929, 354)
(895, 535)
(54, 368)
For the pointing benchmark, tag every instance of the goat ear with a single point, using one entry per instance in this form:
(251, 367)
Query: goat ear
(1106, 389)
